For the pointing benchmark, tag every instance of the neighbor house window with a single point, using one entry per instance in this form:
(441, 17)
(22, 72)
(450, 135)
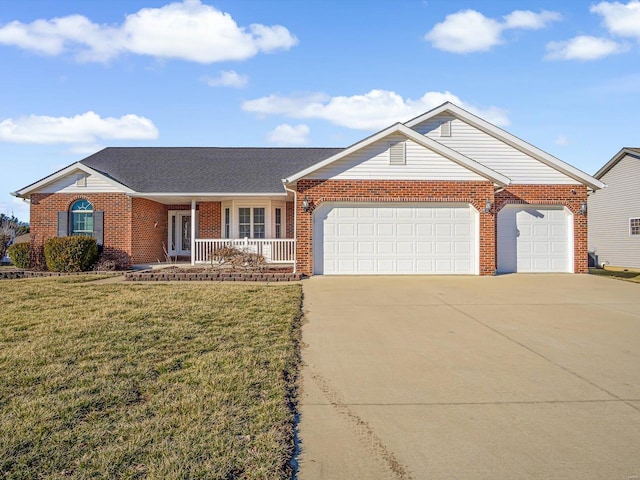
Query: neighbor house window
(81, 218)
(634, 226)
(278, 222)
(251, 222)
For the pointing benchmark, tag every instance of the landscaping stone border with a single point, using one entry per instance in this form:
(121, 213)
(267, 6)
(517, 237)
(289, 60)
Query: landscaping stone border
(160, 276)
(18, 274)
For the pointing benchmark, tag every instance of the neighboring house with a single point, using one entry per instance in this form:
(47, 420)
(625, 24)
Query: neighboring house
(24, 238)
(445, 193)
(614, 211)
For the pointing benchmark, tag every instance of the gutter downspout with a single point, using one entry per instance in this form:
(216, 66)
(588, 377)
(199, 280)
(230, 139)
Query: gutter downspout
(295, 224)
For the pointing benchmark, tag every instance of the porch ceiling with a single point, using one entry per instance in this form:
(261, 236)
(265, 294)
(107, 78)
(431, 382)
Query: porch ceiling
(179, 199)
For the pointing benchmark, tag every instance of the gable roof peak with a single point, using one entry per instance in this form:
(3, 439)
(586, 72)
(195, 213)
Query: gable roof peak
(623, 152)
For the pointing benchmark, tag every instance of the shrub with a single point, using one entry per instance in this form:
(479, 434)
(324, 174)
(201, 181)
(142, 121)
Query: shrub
(5, 240)
(70, 254)
(237, 259)
(19, 253)
(107, 262)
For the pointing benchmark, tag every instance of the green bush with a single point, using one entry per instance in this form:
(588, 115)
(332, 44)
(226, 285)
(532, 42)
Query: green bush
(70, 254)
(19, 254)
(5, 240)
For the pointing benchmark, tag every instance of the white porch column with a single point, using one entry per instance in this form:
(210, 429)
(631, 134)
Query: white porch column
(193, 231)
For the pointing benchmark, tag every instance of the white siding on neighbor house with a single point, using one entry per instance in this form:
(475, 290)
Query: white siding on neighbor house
(372, 162)
(67, 184)
(491, 152)
(609, 211)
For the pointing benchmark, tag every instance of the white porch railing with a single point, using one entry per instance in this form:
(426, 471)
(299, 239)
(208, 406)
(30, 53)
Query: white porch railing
(274, 250)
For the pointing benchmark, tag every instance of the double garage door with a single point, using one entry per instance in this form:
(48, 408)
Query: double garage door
(395, 239)
(369, 239)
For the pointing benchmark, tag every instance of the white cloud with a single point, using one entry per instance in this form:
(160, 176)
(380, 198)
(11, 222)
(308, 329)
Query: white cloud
(530, 20)
(17, 207)
(83, 129)
(188, 30)
(620, 19)
(465, 31)
(561, 140)
(227, 78)
(470, 31)
(374, 110)
(583, 48)
(286, 134)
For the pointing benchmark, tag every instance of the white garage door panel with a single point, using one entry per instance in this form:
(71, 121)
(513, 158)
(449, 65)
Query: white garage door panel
(535, 239)
(392, 239)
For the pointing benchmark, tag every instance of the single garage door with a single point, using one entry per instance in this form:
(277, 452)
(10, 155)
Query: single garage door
(535, 239)
(369, 239)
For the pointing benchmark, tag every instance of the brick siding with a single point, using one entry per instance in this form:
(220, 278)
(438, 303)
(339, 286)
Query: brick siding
(397, 191)
(570, 196)
(136, 229)
(149, 223)
(290, 220)
(116, 208)
(408, 191)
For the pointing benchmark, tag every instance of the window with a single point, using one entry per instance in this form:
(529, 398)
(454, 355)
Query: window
(258, 223)
(81, 218)
(245, 222)
(634, 226)
(251, 222)
(227, 223)
(278, 222)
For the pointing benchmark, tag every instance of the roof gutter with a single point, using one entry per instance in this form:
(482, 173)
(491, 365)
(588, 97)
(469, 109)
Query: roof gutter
(206, 194)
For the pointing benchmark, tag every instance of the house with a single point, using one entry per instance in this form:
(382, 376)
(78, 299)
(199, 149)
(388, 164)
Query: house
(444, 193)
(614, 212)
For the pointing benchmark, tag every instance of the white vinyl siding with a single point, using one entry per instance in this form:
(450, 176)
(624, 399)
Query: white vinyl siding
(69, 184)
(379, 239)
(535, 239)
(609, 212)
(491, 152)
(372, 162)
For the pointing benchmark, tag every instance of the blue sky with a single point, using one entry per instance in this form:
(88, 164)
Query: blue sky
(78, 76)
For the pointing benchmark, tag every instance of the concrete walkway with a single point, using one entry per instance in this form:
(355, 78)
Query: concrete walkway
(517, 376)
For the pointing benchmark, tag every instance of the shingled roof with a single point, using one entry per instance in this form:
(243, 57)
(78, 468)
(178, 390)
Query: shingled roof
(204, 169)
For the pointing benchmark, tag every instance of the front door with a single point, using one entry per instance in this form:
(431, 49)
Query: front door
(180, 233)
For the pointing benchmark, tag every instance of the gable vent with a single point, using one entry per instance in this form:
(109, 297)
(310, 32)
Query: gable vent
(81, 180)
(397, 153)
(445, 129)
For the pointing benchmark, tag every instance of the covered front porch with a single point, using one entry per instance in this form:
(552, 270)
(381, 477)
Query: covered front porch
(198, 231)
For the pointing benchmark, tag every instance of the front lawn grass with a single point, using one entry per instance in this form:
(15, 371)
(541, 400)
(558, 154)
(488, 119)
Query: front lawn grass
(147, 381)
(619, 273)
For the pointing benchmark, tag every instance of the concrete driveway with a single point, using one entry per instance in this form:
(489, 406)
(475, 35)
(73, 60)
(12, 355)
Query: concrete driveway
(516, 376)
